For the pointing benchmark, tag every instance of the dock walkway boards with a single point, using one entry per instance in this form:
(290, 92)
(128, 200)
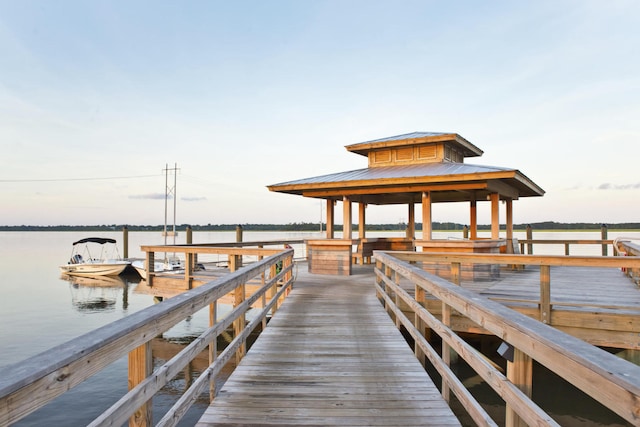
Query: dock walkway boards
(330, 356)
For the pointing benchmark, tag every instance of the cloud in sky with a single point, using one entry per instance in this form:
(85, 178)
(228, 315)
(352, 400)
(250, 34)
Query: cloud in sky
(151, 196)
(609, 186)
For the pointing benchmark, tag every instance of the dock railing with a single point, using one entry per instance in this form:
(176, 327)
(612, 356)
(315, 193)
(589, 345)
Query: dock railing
(526, 245)
(29, 385)
(610, 380)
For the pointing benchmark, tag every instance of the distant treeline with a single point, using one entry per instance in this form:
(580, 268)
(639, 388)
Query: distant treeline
(308, 226)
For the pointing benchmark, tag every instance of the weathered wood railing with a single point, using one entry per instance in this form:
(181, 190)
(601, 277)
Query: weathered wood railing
(528, 244)
(581, 317)
(28, 385)
(610, 380)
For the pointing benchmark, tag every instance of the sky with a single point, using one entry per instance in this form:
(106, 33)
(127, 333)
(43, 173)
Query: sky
(98, 98)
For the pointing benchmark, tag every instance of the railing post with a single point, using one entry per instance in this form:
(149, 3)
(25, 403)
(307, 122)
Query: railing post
(421, 298)
(213, 348)
(529, 237)
(448, 354)
(240, 323)
(140, 367)
(465, 232)
(603, 233)
(566, 248)
(520, 373)
(545, 294)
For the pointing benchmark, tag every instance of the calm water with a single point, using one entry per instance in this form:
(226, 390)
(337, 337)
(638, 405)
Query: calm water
(39, 309)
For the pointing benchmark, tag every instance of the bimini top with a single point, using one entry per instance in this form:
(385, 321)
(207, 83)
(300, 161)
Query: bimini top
(402, 167)
(100, 240)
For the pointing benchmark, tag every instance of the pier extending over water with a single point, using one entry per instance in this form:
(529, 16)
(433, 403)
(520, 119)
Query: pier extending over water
(406, 289)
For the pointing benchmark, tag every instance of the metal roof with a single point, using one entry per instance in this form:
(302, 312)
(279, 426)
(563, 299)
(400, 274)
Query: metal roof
(389, 172)
(413, 138)
(411, 135)
(402, 184)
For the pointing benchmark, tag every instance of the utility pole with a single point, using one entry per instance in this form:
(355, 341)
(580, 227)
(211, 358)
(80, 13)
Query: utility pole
(170, 192)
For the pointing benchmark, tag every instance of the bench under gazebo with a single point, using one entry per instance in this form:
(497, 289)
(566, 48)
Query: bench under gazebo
(419, 167)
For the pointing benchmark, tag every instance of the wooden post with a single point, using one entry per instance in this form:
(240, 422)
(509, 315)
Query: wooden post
(125, 242)
(140, 367)
(509, 215)
(603, 233)
(189, 241)
(426, 216)
(529, 237)
(346, 218)
(495, 215)
(188, 270)
(240, 323)
(149, 266)
(473, 219)
(520, 373)
(330, 219)
(361, 221)
(421, 298)
(238, 239)
(465, 232)
(411, 225)
(213, 349)
(545, 294)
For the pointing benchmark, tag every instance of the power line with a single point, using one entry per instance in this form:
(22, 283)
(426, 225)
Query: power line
(78, 179)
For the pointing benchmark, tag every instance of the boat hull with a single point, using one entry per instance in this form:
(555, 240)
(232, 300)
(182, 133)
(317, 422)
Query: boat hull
(95, 269)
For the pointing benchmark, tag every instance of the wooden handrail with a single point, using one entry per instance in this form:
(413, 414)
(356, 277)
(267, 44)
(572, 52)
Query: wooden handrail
(610, 380)
(566, 242)
(29, 385)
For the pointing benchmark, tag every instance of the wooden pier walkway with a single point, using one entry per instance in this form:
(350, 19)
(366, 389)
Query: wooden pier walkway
(330, 356)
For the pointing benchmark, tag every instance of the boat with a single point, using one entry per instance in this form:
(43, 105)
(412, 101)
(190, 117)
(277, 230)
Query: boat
(83, 262)
(172, 265)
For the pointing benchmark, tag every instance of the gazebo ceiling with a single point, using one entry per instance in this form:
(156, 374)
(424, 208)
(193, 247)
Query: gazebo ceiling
(446, 182)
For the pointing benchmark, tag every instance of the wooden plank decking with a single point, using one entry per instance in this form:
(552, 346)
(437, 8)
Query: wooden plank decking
(330, 356)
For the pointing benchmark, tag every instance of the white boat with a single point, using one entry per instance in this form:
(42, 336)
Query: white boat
(173, 265)
(84, 263)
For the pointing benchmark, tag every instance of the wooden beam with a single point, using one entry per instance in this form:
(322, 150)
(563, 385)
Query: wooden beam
(380, 189)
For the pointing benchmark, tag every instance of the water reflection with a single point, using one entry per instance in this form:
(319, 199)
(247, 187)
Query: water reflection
(97, 293)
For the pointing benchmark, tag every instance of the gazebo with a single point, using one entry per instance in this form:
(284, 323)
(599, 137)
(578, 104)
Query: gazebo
(418, 167)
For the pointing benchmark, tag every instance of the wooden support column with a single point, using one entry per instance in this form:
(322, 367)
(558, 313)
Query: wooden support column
(148, 265)
(140, 367)
(330, 219)
(520, 373)
(473, 220)
(411, 226)
(361, 220)
(426, 215)
(495, 215)
(346, 218)
(509, 226)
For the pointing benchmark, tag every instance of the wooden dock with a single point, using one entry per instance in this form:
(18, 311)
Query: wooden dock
(330, 356)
